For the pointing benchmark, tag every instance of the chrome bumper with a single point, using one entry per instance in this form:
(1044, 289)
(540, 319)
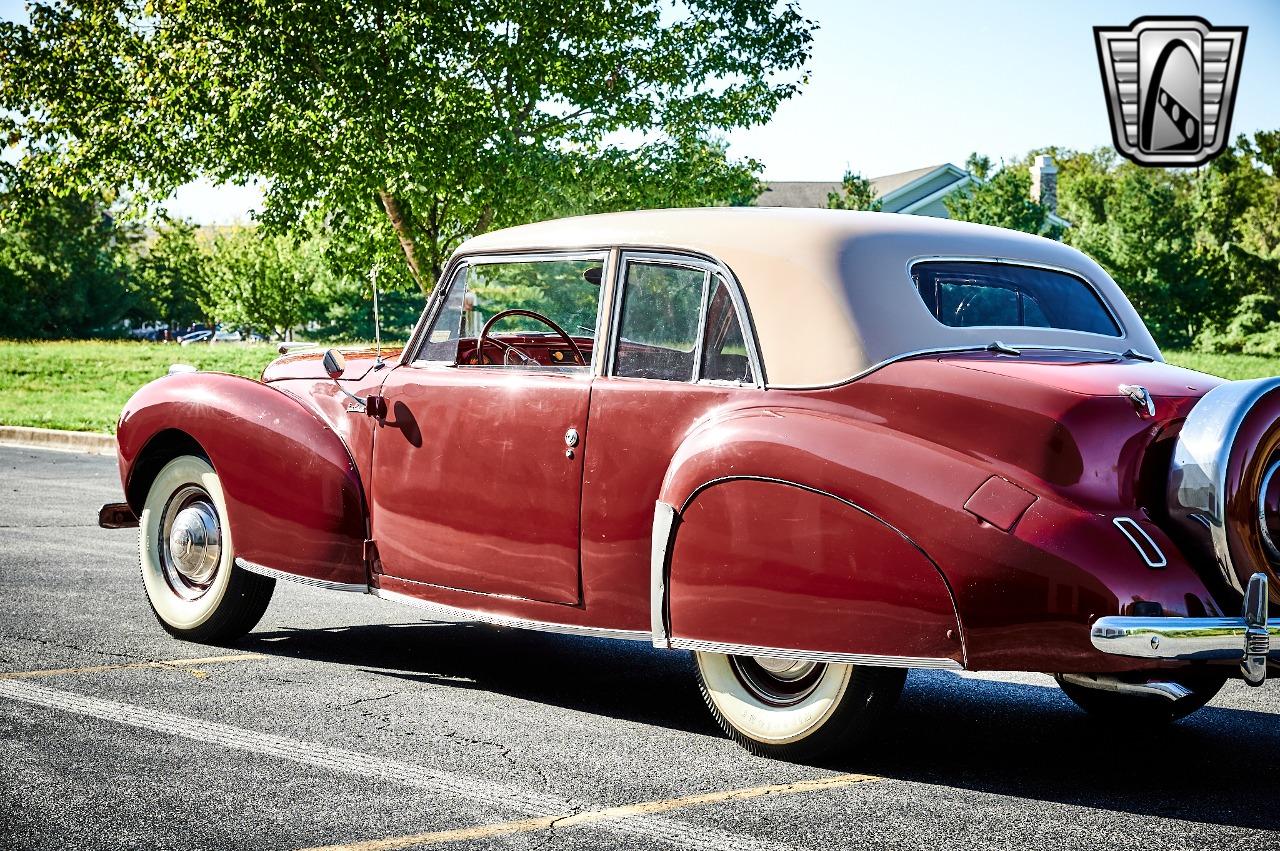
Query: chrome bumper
(1248, 639)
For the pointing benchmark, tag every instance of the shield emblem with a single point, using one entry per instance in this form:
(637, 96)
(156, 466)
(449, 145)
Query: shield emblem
(1170, 85)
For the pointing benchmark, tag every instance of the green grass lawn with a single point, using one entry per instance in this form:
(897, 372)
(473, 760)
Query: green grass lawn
(82, 385)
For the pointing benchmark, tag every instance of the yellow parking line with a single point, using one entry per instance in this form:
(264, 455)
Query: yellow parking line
(166, 663)
(603, 815)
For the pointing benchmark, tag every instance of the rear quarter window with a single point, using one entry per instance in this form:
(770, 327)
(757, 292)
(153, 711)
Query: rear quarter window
(969, 294)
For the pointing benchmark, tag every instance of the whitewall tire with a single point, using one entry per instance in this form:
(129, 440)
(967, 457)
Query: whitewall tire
(795, 710)
(187, 557)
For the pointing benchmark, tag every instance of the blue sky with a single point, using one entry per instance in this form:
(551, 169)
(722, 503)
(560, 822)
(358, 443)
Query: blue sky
(900, 84)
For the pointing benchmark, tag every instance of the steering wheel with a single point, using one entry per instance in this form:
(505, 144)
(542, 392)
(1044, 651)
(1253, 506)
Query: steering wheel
(516, 311)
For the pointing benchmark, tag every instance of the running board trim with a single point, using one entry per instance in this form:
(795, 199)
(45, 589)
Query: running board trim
(869, 660)
(454, 613)
(263, 570)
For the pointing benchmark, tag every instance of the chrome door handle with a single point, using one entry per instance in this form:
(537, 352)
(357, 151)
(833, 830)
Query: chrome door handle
(571, 438)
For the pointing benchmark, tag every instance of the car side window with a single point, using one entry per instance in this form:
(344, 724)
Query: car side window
(724, 347)
(971, 294)
(658, 323)
(441, 343)
(538, 313)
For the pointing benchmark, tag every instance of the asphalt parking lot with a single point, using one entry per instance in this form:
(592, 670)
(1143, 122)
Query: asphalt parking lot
(347, 720)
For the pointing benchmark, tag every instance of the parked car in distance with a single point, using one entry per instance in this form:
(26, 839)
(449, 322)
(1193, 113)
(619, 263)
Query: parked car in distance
(219, 336)
(815, 448)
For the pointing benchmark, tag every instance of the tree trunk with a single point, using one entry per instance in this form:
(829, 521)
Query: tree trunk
(404, 232)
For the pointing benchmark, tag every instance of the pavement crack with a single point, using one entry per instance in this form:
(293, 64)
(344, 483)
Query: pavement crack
(47, 643)
(368, 699)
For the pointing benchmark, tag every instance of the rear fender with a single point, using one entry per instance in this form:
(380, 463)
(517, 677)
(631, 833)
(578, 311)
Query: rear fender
(293, 494)
(767, 550)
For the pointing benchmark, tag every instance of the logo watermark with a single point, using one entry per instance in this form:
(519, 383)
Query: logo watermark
(1170, 85)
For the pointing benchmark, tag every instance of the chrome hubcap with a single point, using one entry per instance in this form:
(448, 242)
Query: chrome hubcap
(190, 542)
(787, 670)
(777, 682)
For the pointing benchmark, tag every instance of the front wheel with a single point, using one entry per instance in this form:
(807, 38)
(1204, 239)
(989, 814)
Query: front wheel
(187, 559)
(1122, 709)
(795, 710)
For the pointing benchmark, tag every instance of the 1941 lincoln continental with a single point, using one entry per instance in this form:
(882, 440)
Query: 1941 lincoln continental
(815, 448)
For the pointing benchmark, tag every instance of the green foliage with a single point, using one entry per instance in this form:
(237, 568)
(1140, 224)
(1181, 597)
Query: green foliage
(856, 193)
(172, 275)
(62, 268)
(977, 165)
(266, 283)
(409, 123)
(1004, 200)
(1188, 247)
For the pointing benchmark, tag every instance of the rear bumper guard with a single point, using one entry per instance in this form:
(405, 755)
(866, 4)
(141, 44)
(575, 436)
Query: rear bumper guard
(1247, 639)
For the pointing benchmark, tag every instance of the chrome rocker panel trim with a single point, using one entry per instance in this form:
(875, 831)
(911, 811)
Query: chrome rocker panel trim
(454, 613)
(263, 570)
(1248, 639)
(817, 655)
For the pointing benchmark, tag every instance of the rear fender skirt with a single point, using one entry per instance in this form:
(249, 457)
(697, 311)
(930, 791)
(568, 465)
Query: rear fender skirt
(776, 568)
(293, 494)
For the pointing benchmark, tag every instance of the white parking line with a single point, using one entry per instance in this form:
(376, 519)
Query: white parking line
(340, 761)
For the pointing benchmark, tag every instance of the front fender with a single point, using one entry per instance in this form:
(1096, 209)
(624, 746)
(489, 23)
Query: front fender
(293, 494)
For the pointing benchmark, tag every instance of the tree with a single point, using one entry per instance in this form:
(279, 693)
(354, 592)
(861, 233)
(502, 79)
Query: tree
(977, 165)
(264, 282)
(1138, 224)
(856, 193)
(172, 278)
(62, 267)
(1004, 200)
(412, 123)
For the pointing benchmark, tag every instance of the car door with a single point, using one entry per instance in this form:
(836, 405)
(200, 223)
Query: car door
(682, 350)
(478, 466)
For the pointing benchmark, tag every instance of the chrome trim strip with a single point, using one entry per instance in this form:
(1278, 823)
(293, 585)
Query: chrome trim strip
(454, 613)
(944, 350)
(1198, 471)
(1131, 530)
(263, 570)
(818, 655)
(664, 520)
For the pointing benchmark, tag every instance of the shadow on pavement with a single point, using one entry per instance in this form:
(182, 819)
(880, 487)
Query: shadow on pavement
(1220, 766)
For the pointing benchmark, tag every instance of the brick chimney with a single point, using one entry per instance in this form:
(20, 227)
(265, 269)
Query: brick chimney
(1044, 182)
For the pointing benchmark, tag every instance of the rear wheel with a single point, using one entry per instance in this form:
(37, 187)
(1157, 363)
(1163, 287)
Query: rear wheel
(1140, 709)
(188, 561)
(795, 710)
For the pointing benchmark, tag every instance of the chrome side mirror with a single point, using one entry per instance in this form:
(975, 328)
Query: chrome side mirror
(334, 364)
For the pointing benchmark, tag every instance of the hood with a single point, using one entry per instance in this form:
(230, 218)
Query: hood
(308, 363)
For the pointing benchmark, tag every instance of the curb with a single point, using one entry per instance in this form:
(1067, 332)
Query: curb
(52, 438)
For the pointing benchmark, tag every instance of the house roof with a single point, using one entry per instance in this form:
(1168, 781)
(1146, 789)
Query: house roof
(829, 291)
(813, 193)
(893, 190)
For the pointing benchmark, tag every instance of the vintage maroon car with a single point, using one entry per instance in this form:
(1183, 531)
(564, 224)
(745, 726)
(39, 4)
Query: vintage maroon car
(816, 448)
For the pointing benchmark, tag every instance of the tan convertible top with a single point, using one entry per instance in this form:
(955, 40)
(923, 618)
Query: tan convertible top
(829, 291)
